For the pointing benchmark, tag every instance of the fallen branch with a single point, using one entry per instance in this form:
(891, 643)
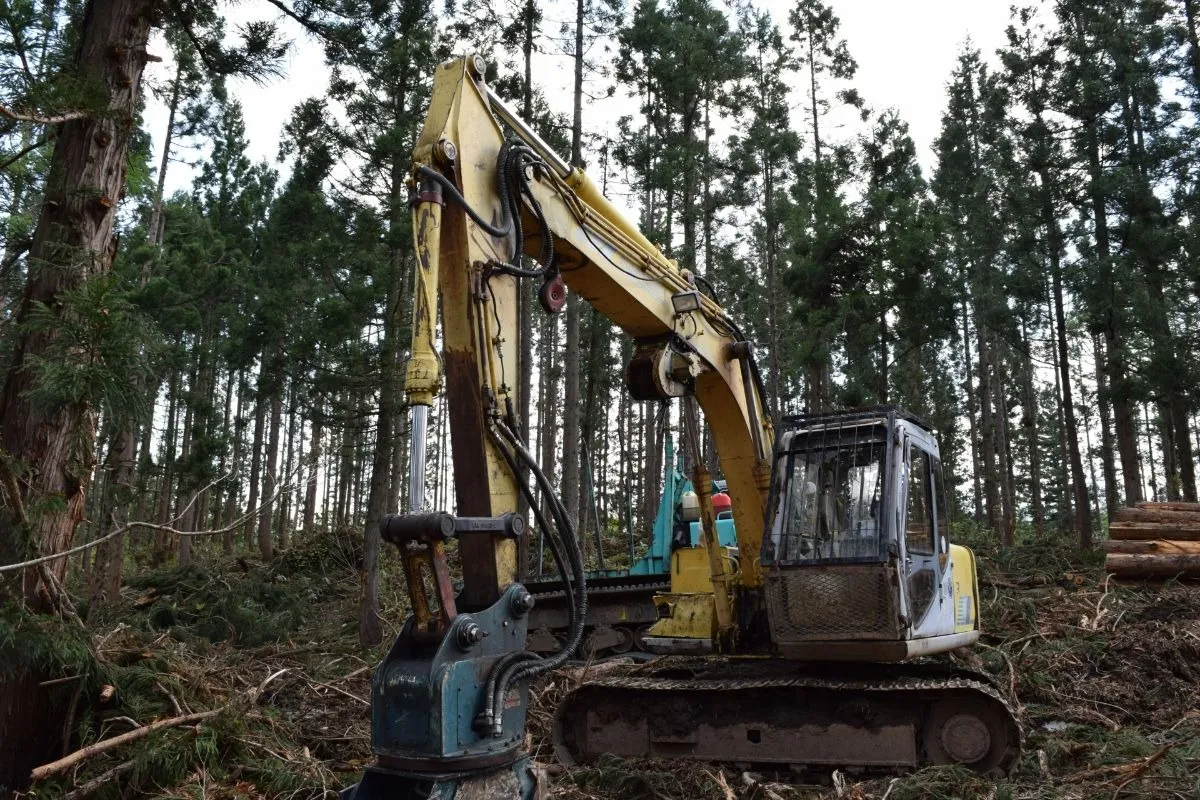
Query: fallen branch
(68, 761)
(1119, 775)
(101, 780)
(130, 526)
(753, 784)
(1138, 770)
(313, 684)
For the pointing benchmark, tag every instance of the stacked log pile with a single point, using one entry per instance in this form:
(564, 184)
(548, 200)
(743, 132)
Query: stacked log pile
(1154, 541)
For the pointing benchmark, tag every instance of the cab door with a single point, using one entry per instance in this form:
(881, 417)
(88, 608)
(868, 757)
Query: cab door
(926, 560)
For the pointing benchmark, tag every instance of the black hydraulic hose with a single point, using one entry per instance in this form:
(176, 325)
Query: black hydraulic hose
(712, 293)
(514, 157)
(517, 671)
(452, 190)
(492, 697)
(506, 196)
(551, 541)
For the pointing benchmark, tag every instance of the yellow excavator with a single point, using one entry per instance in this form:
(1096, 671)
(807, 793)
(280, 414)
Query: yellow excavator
(809, 646)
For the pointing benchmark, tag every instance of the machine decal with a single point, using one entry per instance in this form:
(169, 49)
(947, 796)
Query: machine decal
(963, 615)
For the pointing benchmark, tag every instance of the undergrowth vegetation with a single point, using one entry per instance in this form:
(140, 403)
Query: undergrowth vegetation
(1105, 678)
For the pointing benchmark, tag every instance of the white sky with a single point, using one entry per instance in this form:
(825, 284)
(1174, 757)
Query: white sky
(905, 50)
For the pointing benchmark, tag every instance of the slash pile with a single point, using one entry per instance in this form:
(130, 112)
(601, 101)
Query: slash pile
(1154, 541)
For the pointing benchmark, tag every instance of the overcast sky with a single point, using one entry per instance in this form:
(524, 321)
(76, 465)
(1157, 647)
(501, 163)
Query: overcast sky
(905, 50)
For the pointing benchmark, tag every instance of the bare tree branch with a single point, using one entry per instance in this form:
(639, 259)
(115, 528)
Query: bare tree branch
(24, 151)
(56, 120)
(284, 486)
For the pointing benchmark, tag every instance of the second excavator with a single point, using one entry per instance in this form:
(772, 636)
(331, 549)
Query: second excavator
(817, 642)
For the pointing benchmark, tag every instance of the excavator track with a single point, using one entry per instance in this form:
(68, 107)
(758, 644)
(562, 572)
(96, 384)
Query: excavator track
(786, 717)
(620, 610)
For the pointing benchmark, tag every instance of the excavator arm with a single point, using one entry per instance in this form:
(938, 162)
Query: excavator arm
(686, 343)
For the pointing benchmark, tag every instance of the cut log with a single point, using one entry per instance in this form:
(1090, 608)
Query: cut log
(1153, 530)
(1156, 515)
(1193, 507)
(1159, 546)
(1136, 565)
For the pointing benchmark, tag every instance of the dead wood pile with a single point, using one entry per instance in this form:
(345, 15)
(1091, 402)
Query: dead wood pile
(1154, 541)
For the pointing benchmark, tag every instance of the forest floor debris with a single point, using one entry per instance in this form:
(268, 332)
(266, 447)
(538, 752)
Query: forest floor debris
(1106, 676)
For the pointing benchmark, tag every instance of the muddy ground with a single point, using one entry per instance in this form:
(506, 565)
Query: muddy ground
(1106, 679)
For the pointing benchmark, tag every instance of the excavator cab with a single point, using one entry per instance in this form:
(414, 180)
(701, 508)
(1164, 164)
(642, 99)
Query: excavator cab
(858, 572)
(857, 558)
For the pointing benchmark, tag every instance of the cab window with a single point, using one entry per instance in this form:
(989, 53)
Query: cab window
(942, 511)
(920, 530)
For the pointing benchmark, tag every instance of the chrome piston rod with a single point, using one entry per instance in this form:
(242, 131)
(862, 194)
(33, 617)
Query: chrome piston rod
(416, 459)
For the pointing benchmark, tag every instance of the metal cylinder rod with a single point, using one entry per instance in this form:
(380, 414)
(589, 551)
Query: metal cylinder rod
(527, 135)
(416, 459)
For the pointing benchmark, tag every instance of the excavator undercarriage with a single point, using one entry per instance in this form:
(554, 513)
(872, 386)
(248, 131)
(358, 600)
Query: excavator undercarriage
(791, 718)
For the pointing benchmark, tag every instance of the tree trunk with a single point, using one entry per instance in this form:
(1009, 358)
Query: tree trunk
(1004, 469)
(1032, 443)
(52, 448)
(286, 497)
(370, 625)
(1150, 546)
(1112, 497)
(1083, 517)
(157, 221)
(74, 242)
(570, 487)
(314, 461)
(1155, 565)
(1154, 495)
(972, 413)
(1183, 531)
(222, 466)
(104, 579)
(232, 489)
(271, 471)
(1159, 512)
(1183, 450)
(260, 413)
(1118, 379)
(991, 483)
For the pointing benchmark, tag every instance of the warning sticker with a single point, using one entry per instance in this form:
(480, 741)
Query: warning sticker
(962, 614)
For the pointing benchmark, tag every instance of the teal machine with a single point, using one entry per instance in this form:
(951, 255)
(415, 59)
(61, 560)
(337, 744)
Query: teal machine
(620, 601)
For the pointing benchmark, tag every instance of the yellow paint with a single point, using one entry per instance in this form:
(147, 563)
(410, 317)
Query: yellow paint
(688, 616)
(691, 610)
(479, 317)
(606, 261)
(966, 588)
(422, 379)
(690, 571)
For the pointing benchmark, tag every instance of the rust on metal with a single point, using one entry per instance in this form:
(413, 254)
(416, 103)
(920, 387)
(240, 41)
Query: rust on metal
(471, 484)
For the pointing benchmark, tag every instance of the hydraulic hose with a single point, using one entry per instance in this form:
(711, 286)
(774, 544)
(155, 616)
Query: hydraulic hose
(493, 692)
(514, 157)
(452, 190)
(516, 670)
